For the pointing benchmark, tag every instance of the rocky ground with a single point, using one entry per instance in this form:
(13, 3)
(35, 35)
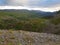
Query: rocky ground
(12, 37)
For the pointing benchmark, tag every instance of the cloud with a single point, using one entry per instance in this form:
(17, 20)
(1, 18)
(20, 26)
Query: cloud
(44, 3)
(34, 4)
(21, 7)
(31, 3)
(16, 2)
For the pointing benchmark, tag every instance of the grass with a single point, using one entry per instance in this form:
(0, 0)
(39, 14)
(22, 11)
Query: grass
(26, 20)
(21, 21)
(56, 21)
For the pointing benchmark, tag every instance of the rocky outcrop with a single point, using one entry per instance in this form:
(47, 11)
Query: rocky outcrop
(9, 37)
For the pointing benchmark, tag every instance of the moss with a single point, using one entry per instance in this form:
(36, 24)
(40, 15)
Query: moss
(19, 44)
(10, 43)
(0, 32)
(12, 37)
(1, 40)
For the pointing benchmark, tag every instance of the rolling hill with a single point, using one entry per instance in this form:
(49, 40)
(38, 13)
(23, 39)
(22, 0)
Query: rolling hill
(30, 20)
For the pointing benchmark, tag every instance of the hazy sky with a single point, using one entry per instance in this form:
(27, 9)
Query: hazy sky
(51, 5)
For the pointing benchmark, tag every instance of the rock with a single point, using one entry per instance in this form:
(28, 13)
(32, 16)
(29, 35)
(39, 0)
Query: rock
(10, 37)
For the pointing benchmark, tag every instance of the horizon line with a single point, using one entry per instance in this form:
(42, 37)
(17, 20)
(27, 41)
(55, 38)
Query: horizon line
(29, 8)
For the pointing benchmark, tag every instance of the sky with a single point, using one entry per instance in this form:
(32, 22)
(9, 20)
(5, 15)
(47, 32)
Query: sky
(45, 5)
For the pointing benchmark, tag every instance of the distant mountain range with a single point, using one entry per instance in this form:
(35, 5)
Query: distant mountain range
(32, 12)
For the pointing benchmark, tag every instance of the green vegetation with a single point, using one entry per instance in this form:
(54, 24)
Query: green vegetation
(21, 21)
(10, 43)
(56, 21)
(25, 20)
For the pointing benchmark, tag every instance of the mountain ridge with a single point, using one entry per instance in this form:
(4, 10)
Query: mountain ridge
(38, 12)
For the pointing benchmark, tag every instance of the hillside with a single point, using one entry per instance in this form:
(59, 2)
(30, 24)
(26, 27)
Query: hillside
(11, 37)
(56, 18)
(30, 20)
(11, 18)
(23, 13)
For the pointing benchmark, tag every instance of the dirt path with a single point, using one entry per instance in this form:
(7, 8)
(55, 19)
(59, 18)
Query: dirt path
(27, 38)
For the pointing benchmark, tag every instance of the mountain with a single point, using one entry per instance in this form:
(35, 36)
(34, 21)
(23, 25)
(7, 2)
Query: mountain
(30, 20)
(35, 13)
